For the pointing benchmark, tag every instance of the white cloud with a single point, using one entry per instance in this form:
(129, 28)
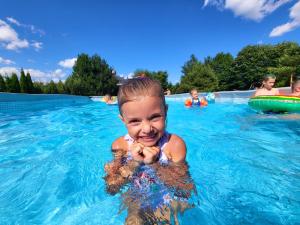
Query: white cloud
(7, 71)
(6, 61)
(289, 26)
(16, 44)
(37, 75)
(67, 63)
(32, 28)
(218, 3)
(37, 45)
(14, 21)
(45, 77)
(9, 38)
(250, 9)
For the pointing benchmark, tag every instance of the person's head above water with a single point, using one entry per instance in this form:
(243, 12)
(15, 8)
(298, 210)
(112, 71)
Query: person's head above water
(296, 87)
(143, 110)
(269, 81)
(138, 88)
(194, 93)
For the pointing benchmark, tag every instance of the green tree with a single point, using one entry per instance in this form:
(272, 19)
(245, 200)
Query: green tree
(161, 76)
(60, 87)
(222, 66)
(12, 83)
(250, 65)
(23, 82)
(91, 76)
(38, 87)
(189, 65)
(288, 60)
(197, 75)
(52, 89)
(2, 84)
(30, 88)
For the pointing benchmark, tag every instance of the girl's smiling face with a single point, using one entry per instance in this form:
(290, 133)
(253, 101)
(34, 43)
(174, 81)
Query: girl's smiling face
(145, 119)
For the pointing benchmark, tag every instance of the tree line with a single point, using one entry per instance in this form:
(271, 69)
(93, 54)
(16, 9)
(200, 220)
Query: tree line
(92, 75)
(25, 85)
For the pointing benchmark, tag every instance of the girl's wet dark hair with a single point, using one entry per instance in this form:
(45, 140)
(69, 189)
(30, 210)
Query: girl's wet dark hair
(133, 89)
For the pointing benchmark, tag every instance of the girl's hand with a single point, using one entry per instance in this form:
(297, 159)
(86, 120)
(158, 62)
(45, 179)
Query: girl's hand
(150, 154)
(136, 150)
(125, 171)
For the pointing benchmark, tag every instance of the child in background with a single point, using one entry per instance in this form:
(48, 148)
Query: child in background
(108, 99)
(296, 88)
(148, 158)
(195, 100)
(167, 92)
(267, 86)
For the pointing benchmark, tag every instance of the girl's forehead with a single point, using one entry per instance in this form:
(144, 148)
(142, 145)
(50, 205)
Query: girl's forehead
(144, 102)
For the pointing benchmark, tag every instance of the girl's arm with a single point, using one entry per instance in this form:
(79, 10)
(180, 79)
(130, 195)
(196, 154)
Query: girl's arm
(176, 177)
(120, 169)
(114, 180)
(175, 174)
(175, 149)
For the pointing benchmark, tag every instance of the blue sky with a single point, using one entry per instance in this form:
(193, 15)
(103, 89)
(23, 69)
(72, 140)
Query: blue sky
(45, 37)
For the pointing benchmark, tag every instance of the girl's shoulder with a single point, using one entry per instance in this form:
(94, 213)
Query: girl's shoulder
(176, 148)
(120, 143)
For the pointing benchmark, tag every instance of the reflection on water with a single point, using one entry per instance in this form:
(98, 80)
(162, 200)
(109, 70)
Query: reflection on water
(151, 194)
(244, 166)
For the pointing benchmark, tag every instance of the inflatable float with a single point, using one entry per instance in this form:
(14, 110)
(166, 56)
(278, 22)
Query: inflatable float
(275, 103)
(210, 97)
(189, 102)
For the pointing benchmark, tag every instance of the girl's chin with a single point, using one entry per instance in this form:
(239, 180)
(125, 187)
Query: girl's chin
(148, 142)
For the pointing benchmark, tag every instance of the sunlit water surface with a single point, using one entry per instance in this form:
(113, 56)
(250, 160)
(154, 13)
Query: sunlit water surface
(246, 166)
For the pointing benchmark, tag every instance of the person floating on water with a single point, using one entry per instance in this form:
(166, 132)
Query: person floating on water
(148, 159)
(195, 100)
(267, 86)
(108, 99)
(167, 92)
(296, 88)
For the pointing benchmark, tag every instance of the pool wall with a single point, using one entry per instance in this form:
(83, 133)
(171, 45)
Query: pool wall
(226, 96)
(10, 102)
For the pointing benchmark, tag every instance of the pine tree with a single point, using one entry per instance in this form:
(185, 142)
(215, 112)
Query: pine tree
(30, 88)
(23, 82)
(2, 84)
(60, 87)
(13, 84)
(52, 88)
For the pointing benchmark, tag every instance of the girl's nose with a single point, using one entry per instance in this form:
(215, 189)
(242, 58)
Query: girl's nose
(146, 127)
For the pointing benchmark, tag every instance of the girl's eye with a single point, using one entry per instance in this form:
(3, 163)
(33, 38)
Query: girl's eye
(134, 122)
(156, 117)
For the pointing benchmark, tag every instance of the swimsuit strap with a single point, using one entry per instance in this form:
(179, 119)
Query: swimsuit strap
(162, 144)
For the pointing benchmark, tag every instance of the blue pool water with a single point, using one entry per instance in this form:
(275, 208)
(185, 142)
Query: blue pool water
(246, 166)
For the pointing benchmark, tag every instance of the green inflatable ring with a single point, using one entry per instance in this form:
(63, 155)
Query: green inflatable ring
(275, 103)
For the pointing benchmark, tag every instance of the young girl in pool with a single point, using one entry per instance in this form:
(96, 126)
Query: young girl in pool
(267, 86)
(148, 158)
(195, 100)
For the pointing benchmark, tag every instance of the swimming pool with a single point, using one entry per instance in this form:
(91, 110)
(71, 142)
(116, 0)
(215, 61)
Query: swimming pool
(245, 165)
